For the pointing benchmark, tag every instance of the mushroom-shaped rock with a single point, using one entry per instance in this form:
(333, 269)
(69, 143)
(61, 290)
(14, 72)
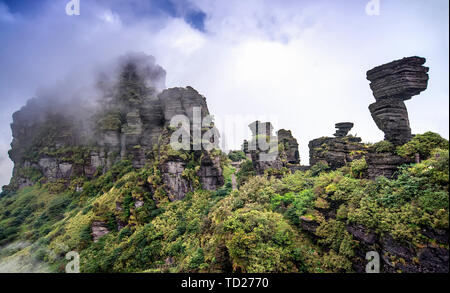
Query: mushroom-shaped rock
(343, 128)
(392, 84)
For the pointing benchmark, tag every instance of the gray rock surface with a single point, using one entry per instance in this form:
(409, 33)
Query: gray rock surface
(131, 120)
(290, 146)
(336, 152)
(391, 116)
(400, 79)
(392, 84)
(99, 229)
(343, 128)
(384, 164)
(176, 184)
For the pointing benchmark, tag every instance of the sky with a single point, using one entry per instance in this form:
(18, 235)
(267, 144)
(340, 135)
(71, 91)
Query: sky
(300, 64)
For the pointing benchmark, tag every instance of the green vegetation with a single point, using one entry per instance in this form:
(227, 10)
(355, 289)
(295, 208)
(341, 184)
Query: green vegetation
(423, 144)
(258, 228)
(245, 172)
(383, 146)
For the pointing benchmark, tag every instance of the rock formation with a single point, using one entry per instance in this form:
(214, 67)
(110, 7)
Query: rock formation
(343, 129)
(263, 147)
(272, 153)
(50, 143)
(336, 151)
(392, 84)
(99, 229)
(384, 164)
(289, 146)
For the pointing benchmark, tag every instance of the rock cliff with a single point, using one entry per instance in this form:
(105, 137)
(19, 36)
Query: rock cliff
(51, 143)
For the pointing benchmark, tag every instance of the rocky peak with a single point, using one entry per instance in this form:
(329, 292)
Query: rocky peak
(400, 79)
(130, 121)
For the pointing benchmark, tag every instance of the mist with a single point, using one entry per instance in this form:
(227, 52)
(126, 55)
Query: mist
(301, 64)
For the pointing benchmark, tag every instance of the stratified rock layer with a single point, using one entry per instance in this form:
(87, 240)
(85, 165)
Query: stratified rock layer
(336, 152)
(391, 116)
(263, 148)
(392, 84)
(400, 79)
(384, 164)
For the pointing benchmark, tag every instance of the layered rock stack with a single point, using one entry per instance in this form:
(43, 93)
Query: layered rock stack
(392, 84)
(343, 128)
(336, 151)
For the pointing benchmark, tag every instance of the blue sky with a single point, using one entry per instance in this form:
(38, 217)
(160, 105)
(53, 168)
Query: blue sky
(299, 63)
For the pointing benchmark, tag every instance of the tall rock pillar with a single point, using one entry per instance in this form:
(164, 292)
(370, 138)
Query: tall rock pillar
(392, 84)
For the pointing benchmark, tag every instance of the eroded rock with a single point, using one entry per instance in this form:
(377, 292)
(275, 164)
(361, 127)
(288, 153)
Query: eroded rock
(290, 146)
(336, 152)
(392, 84)
(99, 229)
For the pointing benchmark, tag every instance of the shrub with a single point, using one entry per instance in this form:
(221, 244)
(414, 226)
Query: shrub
(358, 168)
(423, 144)
(383, 146)
(319, 168)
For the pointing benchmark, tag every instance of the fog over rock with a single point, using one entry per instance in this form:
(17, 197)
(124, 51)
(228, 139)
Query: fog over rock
(122, 116)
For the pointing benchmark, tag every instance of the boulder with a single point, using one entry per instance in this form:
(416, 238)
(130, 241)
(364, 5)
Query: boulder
(384, 164)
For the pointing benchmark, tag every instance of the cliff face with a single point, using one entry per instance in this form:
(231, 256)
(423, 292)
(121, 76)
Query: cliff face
(108, 184)
(57, 140)
(336, 151)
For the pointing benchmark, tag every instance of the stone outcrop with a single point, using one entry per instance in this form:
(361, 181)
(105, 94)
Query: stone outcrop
(289, 146)
(99, 229)
(177, 186)
(391, 117)
(336, 152)
(263, 147)
(395, 255)
(343, 128)
(269, 152)
(384, 164)
(210, 173)
(392, 84)
(400, 79)
(54, 143)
